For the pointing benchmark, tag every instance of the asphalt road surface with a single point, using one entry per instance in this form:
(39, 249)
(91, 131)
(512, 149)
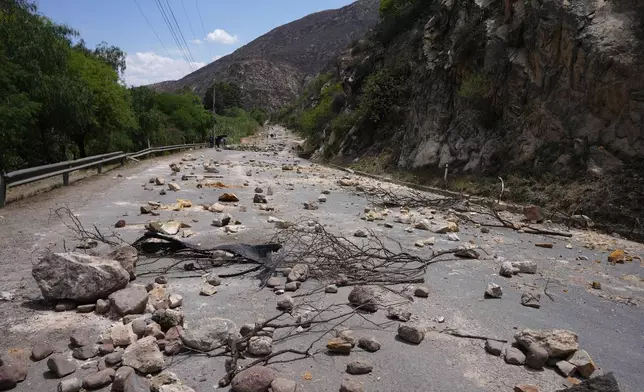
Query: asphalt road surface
(609, 322)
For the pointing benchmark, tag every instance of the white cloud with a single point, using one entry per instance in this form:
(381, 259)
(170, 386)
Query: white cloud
(222, 37)
(196, 41)
(148, 67)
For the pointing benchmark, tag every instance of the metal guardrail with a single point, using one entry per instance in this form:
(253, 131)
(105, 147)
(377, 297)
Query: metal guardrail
(33, 174)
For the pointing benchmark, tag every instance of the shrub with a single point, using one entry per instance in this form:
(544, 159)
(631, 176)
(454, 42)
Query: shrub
(474, 85)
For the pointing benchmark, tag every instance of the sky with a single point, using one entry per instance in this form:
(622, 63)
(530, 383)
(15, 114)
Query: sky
(227, 25)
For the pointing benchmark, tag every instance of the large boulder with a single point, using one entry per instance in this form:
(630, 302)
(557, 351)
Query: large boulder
(255, 379)
(557, 342)
(144, 356)
(131, 300)
(127, 256)
(208, 333)
(78, 277)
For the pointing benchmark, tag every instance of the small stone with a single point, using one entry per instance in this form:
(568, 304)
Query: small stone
(361, 233)
(273, 281)
(494, 347)
(260, 345)
(331, 289)
(440, 319)
(249, 173)
(254, 379)
(493, 290)
(130, 300)
(229, 198)
(363, 298)
(279, 290)
(584, 364)
(388, 225)
(63, 306)
(138, 327)
(106, 348)
(60, 365)
(359, 367)
(173, 186)
(347, 335)
(207, 290)
(322, 199)
(398, 313)
(526, 388)
(525, 267)
(369, 344)
(596, 285)
(421, 292)
(287, 167)
(69, 385)
(213, 279)
(222, 220)
(310, 205)
(514, 356)
(154, 329)
(144, 356)
(100, 379)
(85, 352)
(175, 300)
(507, 269)
(349, 385)
(292, 286)
(566, 368)
(120, 377)
(86, 308)
(80, 338)
(531, 300)
(339, 345)
(485, 230)
(122, 335)
(41, 350)
(445, 227)
(299, 273)
(411, 333)
(146, 209)
(161, 279)
(259, 198)
(283, 385)
(536, 357)
(453, 237)
(285, 303)
(120, 224)
(259, 190)
(102, 306)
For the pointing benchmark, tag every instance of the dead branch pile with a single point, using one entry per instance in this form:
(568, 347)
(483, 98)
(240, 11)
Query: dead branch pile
(410, 198)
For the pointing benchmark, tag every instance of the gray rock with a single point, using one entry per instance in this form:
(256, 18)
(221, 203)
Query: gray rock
(285, 303)
(260, 199)
(175, 301)
(173, 345)
(292, 286)
(63, 306)
(70, 385)
(363, 298)
(536, 357)
(78, 277)
(525, 267)
(138, 327)
(322, 198)
(507, 269)
(273, 281)
(331, 289)
(493, 290)
(514, 356)
(114, 358)
(128, 319)
(208, 333)
(246, 329)
(60, 365)
(339, 345)
(411, 333)
(131, 300)
(255, 379)
(80, 338)
(120, 377)
(154, 329)
(102, 306)
(167, 318)
(122, 335)
(85, 308)
(283, 385)
(531, 300)
(359, 367)
(603, 383)
(213, 279)
(565, 368)
(494, 347)
(350, 385)
(485, 230)
(89, 365)
(421, 292)
(144, 356)
(100, 379)
(399, 313)
(299, 273)
(369, 344)
(85, 352)
(347, 335)
(127, 256)
(106, 348)
(222, 220)
(41, 350)
(584, 364)
(260, 346)
(12, 373)
(360, 233)
(557, 342)
(207, 290)
(161, 279)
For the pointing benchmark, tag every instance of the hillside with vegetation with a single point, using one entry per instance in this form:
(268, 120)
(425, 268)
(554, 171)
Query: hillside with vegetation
(546, 95)
(61, 100)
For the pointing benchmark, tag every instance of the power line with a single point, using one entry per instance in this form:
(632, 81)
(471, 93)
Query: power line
(205, 34)
(153, 30)
(185, 44)
(191, 30)
(173, 33)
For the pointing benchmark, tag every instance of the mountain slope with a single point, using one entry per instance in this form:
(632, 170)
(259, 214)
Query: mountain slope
(272, 69)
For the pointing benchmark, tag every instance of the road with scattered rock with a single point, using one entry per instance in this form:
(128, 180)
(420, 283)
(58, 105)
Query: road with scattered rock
(608, 320)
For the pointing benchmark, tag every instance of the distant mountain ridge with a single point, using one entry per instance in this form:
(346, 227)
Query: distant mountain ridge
(273, 68)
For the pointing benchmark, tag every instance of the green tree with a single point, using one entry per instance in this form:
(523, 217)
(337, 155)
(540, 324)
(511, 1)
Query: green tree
(228, 95)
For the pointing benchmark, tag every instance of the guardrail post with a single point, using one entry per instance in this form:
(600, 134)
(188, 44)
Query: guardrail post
(3, 189)
(100, 168)
(65, 179)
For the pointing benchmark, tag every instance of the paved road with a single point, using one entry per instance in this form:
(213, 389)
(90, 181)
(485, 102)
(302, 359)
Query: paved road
(609, 329)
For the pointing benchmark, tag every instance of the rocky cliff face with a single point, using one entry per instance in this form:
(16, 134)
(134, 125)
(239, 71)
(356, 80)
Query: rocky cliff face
(558, 87)
(273, 68)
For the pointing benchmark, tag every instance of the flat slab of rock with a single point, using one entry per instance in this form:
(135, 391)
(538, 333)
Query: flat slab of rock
(206, 334)
(60, 365)
(131, 300)
(144, 356)
(359, 367)
(85, 352)
(255, 379)
(78, 277)
(41, 350)
(557, 342)
(100, 379)
(339, 345)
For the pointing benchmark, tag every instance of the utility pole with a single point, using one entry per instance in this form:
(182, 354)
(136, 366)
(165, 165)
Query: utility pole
(214, 125)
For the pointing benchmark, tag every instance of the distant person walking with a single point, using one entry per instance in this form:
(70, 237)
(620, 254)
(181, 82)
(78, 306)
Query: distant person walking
(211, 141)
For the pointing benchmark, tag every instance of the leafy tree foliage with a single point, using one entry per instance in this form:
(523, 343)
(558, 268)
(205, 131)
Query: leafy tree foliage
(227, 96)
